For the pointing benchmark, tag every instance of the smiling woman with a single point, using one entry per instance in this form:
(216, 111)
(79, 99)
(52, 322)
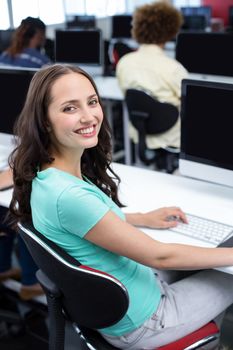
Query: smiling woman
(75, 118)
(64, 183)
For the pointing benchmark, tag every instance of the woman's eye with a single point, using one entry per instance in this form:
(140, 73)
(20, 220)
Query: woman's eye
(94, 101)
(69, 109)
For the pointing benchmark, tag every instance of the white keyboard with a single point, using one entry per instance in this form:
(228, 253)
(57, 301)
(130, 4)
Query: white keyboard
(204, 229)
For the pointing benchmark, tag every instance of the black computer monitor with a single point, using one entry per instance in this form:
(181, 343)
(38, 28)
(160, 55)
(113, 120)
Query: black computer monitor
(14, 84)
(230, 17)
(206, 131)
(82, 21)
(198, 10)
(206, 53)
(194, 22)
(121, 26)
(81, 47)
(5, 38)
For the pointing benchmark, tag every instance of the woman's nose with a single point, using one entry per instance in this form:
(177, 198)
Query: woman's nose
(86, 115)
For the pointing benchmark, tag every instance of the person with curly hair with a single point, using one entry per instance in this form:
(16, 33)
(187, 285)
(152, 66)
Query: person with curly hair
(65, 184)
(25, 48)
(150, 69)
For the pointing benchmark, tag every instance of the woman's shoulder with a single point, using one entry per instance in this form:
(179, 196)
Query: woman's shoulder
(54, 186)
(58, 181)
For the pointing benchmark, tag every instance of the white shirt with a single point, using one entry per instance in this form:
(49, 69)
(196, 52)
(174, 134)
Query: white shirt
(150, 69)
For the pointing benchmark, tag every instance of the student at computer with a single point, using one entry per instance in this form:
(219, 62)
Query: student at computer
(26, 273)
(27, 41)
(63, 181)
(150, 69)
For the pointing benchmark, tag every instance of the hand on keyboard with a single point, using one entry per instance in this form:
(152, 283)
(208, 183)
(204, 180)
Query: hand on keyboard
(204, 229)
(158, 218)
(175, 218)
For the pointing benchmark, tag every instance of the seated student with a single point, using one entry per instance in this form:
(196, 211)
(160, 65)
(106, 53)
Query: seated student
(27, 42)
(64, 182)
(150, 69)
(30, 286)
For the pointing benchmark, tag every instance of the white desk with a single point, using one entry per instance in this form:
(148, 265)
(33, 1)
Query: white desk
(108, 88)
(143, 190)
(209, 77)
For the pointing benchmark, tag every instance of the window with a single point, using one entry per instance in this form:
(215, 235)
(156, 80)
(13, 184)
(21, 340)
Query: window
(22, 9)
(4, 16)
(184, 3)
(50, 12)
(132, 4)
(102, 8)
(75, 7)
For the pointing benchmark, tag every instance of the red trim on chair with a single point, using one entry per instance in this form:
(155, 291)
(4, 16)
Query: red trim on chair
(116, 57)
(205, 331)
(94, 270)
(102, 273)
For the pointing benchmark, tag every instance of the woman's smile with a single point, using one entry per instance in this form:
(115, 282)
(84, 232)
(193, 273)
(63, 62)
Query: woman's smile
(87, 131)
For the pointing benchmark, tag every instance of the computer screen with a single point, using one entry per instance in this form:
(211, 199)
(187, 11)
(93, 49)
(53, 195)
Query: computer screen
(82, 21)
(14, 83)
(206, 131)
(206, 53)
(80, 47)
(121, 26)
(231, 16)
(194, 22)
(198, 10)
(5, 38)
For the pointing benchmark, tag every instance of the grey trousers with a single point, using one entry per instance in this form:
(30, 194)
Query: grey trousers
(185, 306)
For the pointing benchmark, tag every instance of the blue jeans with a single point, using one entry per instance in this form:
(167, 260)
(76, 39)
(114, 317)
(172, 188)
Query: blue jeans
(7, 244)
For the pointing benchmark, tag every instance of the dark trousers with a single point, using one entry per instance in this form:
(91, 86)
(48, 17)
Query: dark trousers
(8, 240)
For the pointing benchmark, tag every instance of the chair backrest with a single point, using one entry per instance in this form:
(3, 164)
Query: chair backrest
(150, 117)
(156, 116)
(90, 298)
(118, 49)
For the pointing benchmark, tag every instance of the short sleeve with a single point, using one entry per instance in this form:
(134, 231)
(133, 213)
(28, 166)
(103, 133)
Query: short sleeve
(80, 209)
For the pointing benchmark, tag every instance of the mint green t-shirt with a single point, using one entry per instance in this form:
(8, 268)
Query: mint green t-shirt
(65, 208)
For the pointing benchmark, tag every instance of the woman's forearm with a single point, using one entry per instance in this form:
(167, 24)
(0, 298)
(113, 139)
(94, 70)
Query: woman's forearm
(185, 257)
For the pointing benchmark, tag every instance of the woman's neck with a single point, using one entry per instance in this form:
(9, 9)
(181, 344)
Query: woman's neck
(71, 167)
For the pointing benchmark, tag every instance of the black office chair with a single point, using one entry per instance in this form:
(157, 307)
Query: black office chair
(87, 298)
(118, 49)
(151, 117)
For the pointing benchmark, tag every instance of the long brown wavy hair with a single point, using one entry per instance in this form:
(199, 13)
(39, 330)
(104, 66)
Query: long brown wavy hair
(24, 33)
(33, 141)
